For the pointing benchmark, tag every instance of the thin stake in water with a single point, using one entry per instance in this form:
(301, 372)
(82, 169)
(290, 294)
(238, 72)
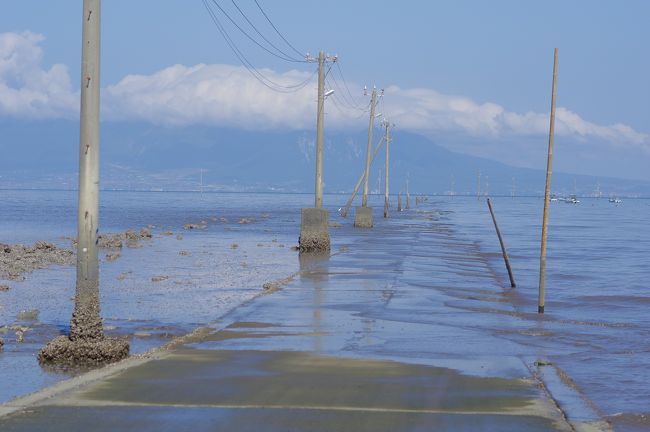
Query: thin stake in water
(547, 193)
(503, 246)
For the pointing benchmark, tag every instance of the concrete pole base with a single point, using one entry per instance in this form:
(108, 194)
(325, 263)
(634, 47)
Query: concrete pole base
(91, 352)
(363, 217)
(314, 230)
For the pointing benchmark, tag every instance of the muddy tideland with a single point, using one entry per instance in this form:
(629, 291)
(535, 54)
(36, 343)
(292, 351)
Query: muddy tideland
(17, 260)
(130, 238)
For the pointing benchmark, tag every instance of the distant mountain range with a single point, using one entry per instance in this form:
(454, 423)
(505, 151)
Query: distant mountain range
(44, 154)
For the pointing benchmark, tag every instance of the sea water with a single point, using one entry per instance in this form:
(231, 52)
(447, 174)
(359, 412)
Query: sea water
(596, 327)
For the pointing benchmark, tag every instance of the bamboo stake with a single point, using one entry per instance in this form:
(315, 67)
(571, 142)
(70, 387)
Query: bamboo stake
(503, 246)
(547, 193)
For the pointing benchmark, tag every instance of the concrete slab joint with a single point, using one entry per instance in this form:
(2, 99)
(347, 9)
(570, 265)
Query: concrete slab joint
(314, 231)
(363, 217)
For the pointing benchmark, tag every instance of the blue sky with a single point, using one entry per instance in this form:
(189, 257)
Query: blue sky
(472, 75)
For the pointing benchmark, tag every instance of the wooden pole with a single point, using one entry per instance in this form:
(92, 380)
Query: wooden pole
(547, 192)
(503, 246)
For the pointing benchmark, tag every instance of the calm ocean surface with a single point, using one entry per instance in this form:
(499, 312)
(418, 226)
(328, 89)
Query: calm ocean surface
(596, 327)
(597, 322)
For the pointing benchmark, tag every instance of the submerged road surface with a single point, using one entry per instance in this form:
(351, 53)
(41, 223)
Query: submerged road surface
(396, 331)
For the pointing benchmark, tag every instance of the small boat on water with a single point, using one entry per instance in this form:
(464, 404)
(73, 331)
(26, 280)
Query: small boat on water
(615, 200)
(572, 200)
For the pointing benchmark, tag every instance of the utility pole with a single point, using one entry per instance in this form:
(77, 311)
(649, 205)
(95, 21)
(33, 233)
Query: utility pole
(408, 194)
(86, 342)
(547, 192)
(86, 321)
(386, 203)
(319, 130)
(201, 184)
(371, 126)
(363, 214)
(314, 230)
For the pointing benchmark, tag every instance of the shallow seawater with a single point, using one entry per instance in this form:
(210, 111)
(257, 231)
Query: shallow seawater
(169, 285)
(596, 327)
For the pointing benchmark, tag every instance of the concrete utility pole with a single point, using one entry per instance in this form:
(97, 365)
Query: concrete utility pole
(86, 322)
(386, 191)
(314, 230)
(319, 130)
(363, 214)
(86, 342)
(371, 127)
(408, 194)
(547, 191)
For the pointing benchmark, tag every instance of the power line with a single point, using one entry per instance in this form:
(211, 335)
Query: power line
(264, 37)
(252, 39)
(349, 104)
(276, 29)
(345, 84)
(248, 65)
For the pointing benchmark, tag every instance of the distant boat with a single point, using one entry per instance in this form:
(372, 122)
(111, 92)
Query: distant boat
(572, 200)
(615, 200)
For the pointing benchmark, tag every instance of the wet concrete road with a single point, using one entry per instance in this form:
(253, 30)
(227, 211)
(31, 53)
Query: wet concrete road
(398, 330)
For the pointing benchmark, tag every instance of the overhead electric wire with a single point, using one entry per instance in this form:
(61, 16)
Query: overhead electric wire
(350, 104)
(276, 29)
(345, 84)
(287, 56)
(252, 39)
(341, 96)
(346, 112)
(248, 65)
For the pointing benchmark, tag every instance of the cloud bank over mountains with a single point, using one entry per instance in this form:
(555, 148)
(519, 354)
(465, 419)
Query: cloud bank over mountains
(225, 95)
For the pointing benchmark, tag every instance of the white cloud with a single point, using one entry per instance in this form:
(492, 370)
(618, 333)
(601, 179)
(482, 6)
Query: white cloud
(26, 89)
(428, 111)
(212, 94)
(226, 95)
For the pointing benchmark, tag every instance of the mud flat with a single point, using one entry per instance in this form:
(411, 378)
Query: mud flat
(18, 260)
